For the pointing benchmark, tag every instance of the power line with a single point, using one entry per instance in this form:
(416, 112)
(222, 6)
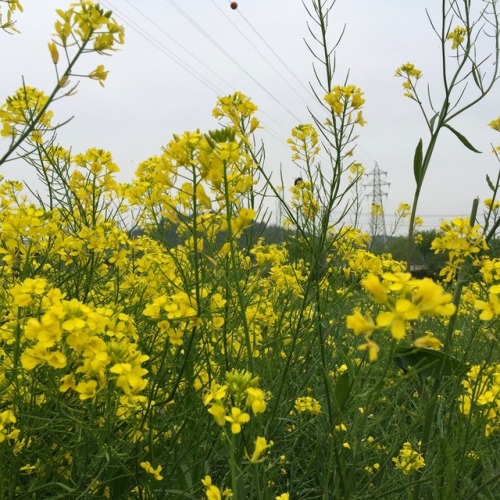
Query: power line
(182, 47)
(301, 83)
(186, 66)
(273, 68)
(231, 58)
(153, 41)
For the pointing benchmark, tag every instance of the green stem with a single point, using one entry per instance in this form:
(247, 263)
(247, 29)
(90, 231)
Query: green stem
(234, 468)
(258, 490)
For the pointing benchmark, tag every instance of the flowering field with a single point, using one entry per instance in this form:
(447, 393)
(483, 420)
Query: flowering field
(225, 365)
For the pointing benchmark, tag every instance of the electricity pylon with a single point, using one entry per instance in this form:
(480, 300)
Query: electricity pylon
(378, 184)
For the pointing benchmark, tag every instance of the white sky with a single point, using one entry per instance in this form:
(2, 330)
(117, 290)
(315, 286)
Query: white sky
(148, 96)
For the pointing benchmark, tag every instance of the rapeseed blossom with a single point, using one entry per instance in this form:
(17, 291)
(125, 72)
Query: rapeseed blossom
(307, 404)
(156, 473)
(261, 445)
(457, 36)
(344, 100)
(402, 300)
(227, 403)
(411, 76)
(495, 124)
(461, 241)
(408, 459)
(482, 396)
(127, 332)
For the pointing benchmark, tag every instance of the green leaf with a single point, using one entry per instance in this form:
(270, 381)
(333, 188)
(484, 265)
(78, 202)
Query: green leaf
(490, 184)
(417, 163)
(428, 362)
(433, 119)
(462, 139)
(342, 390)
(477, 77)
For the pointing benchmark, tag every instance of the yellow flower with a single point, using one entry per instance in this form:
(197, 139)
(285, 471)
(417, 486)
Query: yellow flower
(219, 413)
(375, 288)
(256, 399)
(99, 74)
(360, 323)
(212, 492)
(260, 446)
(431, 299)
(32, 357)
(236, 419)
(408, 70)
(54, 53)
(307, 404)
(56, 359)
(151, 470)
(403, 311)
(488, 309)
(408, 459)
(495, 124)
(216, 393)
(87, 390)
(67, 382)
(372, 349)
(344, 100)
(129, 377)
(457, 36)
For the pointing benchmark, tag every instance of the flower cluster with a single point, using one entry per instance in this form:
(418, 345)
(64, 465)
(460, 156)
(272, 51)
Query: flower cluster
(462, 241)
(303, 199)
(457, 36)
(95, 345)
(482, 396)
(492, 204)
(411, 75)
(88, 27)
(177, 314)
(408, 459)
(307, 404)
(402, 300)
(304, 143)
(28, 106)
(226, 401)
(344, 100)
(239, 110)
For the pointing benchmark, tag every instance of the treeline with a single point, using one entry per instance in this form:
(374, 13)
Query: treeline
(425, 261)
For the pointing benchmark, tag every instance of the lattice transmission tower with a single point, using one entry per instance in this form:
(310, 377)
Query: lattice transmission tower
(378, 185)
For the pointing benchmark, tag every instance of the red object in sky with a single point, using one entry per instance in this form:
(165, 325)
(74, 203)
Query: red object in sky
(234, 5)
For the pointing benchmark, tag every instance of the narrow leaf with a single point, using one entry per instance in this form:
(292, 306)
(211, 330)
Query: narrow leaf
(433, 119)
(462, 139)
(417, 162)
(477, 77)
(490, 184)
(342, 390)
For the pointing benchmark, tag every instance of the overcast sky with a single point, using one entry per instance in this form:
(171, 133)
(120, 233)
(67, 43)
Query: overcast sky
(180, 55)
